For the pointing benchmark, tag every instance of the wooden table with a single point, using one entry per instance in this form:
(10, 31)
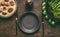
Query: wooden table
(8, 26)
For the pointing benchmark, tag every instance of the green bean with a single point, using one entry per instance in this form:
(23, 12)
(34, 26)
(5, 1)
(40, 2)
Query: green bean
(58, 5)
(53, 4)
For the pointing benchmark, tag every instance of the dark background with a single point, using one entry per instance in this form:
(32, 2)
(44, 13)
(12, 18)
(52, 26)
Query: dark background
(8, 26)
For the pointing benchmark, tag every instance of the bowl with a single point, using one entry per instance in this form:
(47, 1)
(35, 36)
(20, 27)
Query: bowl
(7, 8)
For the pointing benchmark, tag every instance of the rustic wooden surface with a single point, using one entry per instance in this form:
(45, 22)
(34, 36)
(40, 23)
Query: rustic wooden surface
(51, 31)
(8, 26)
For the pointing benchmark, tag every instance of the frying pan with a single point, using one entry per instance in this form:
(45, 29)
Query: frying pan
(47, 14)
(28, 23)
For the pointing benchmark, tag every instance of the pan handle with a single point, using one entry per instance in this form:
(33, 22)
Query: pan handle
(29, 5)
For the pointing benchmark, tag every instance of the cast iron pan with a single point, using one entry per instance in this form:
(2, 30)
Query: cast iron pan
(29, 23)
(47, 14)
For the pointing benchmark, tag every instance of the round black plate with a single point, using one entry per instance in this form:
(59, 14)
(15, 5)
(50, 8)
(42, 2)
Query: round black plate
(28, 22)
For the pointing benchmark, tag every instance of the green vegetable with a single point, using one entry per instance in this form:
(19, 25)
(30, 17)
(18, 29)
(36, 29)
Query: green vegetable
(53, 22)
(55, 5)
(49, 20)
(46, 16)
(44, 12)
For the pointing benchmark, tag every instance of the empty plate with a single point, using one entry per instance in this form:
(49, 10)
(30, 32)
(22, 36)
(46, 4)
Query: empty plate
(28, 22)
